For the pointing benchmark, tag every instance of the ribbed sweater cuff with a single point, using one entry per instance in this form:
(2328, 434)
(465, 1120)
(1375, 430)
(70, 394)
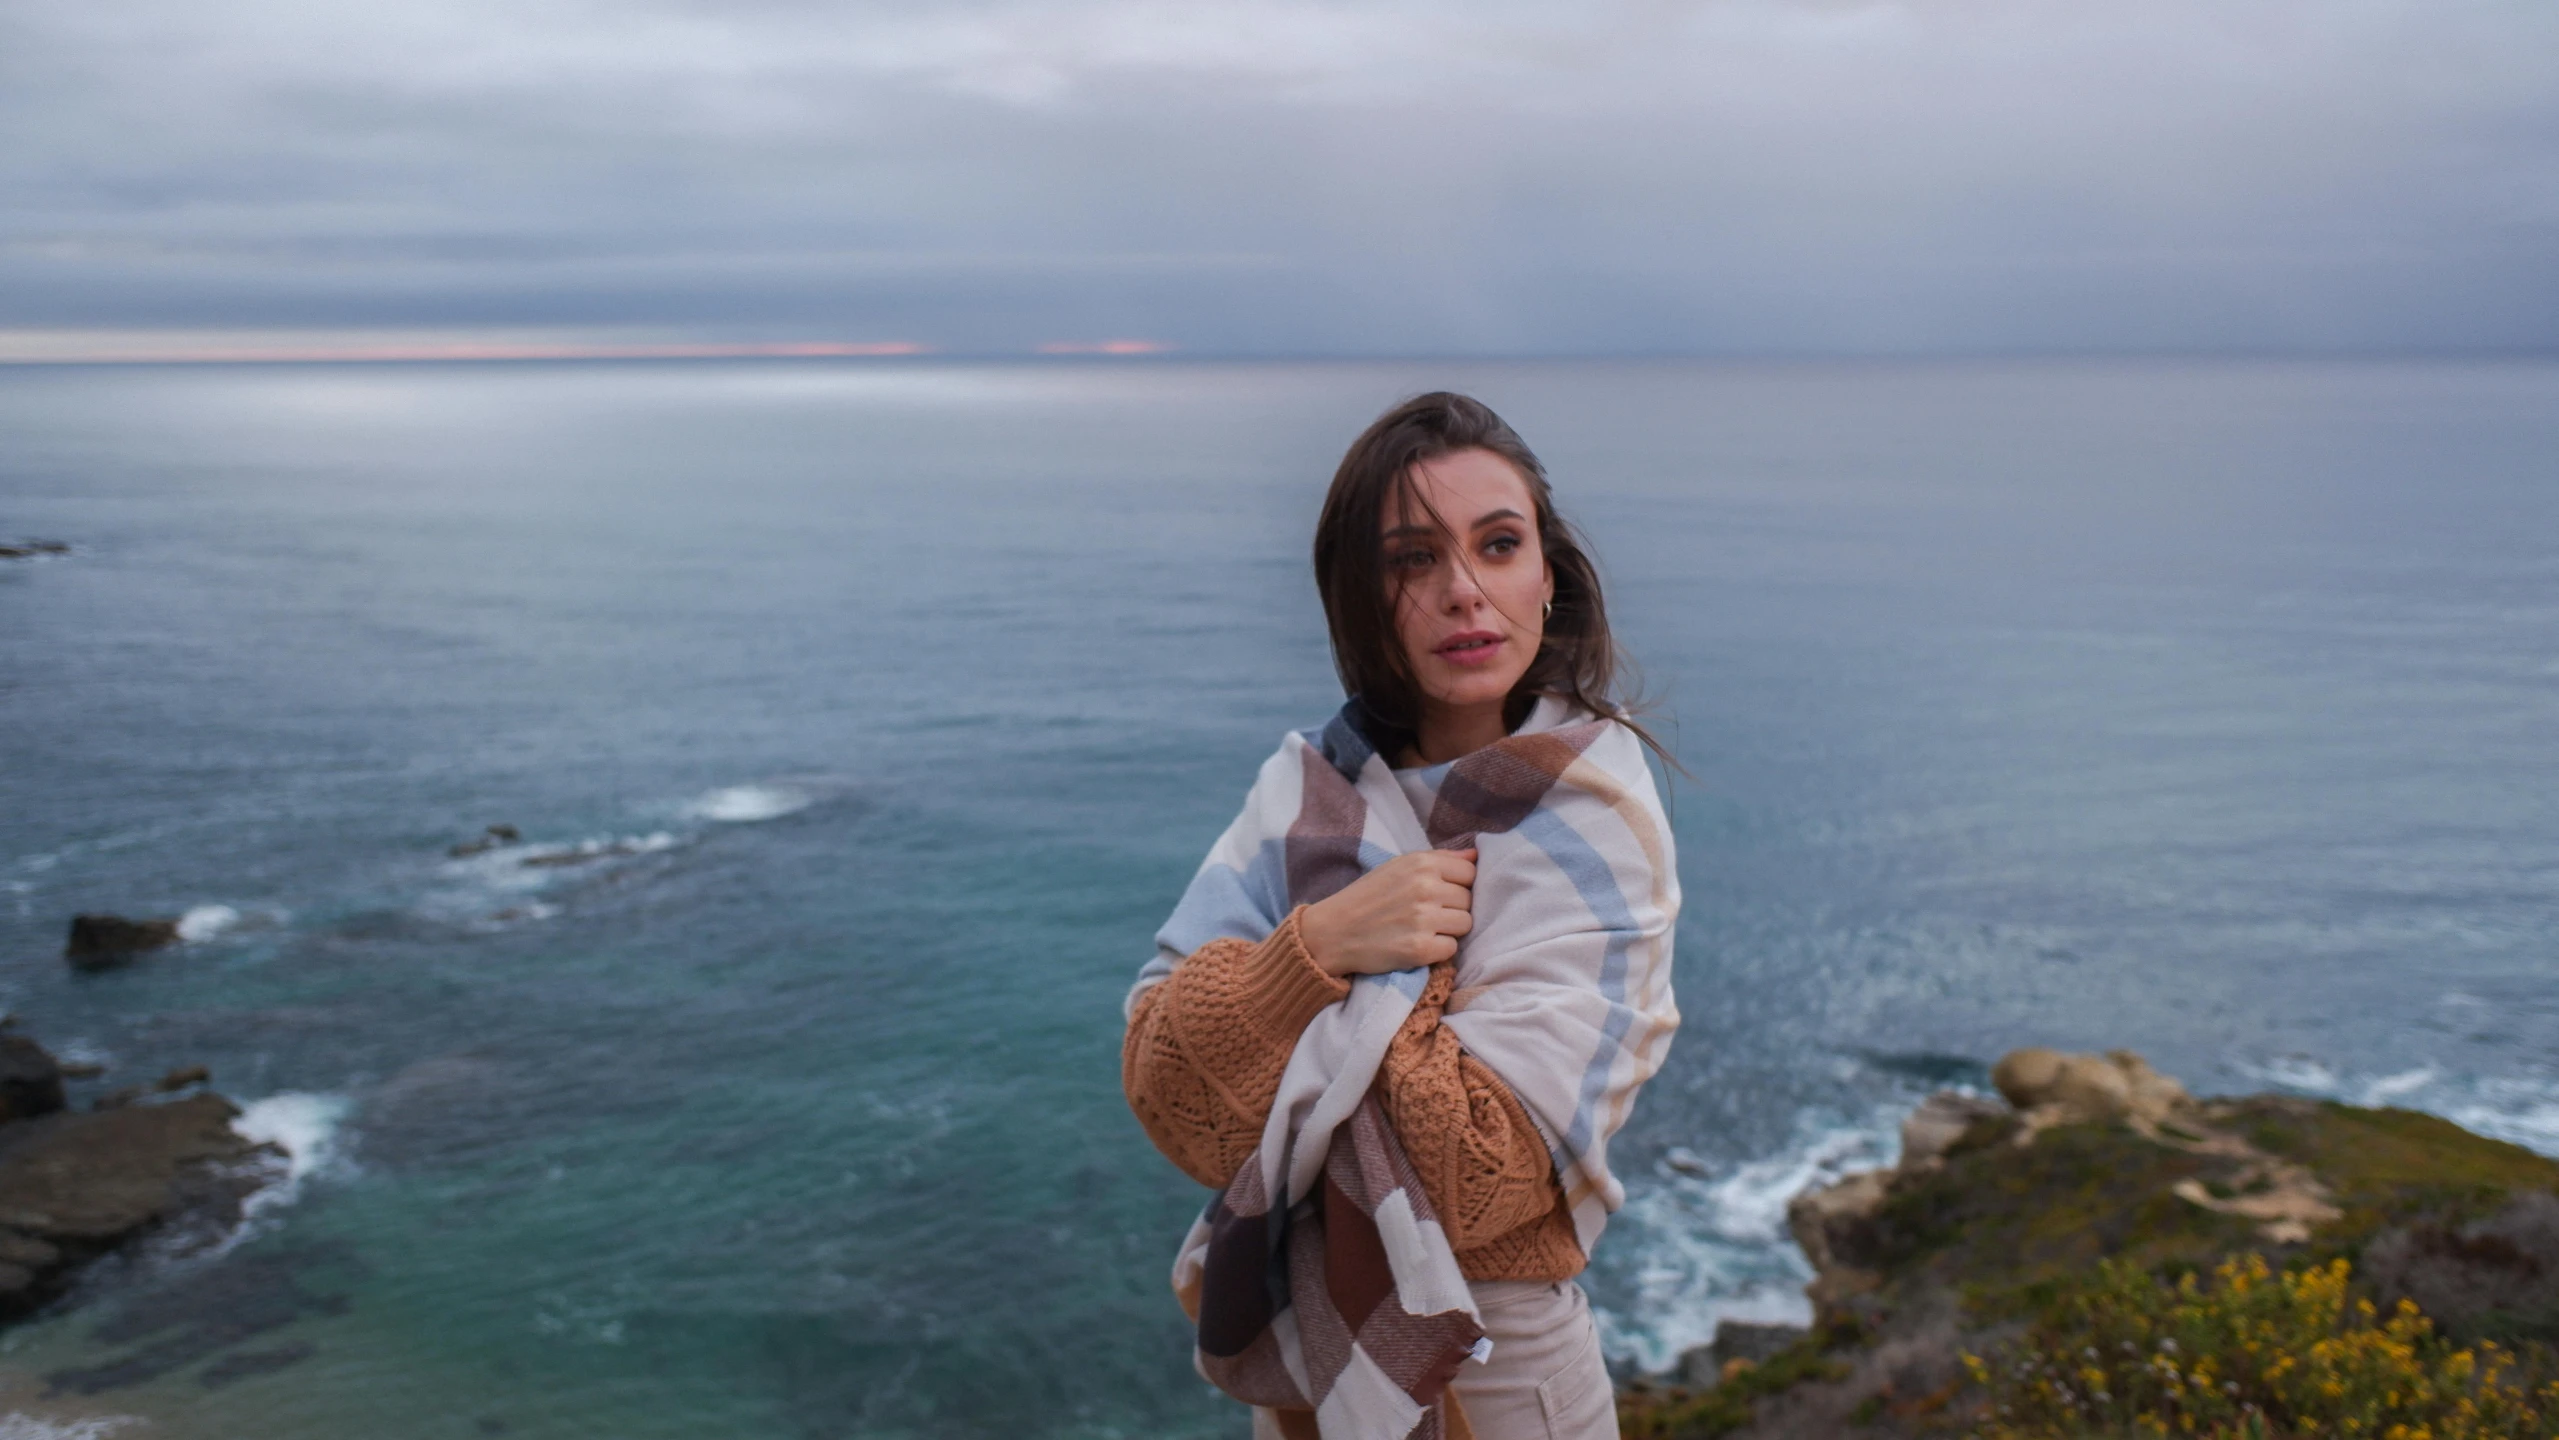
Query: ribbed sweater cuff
(1283, 986)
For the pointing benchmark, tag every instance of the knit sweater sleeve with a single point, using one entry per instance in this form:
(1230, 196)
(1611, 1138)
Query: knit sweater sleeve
(1482, 1161)
(1205, 1049)
(1202, 1062)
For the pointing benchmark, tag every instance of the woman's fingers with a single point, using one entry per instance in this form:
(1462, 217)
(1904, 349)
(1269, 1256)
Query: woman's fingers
(1409, 911)
(1455, 866)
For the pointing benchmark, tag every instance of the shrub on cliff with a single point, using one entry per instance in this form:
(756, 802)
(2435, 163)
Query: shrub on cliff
(2253, 1353)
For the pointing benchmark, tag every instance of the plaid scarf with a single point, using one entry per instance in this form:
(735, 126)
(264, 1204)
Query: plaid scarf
(1321, 1279)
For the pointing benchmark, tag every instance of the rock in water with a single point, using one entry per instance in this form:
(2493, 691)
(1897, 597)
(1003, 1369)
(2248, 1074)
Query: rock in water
(75, 1184)
(99, 942)
(182, 1077)
(489, 839)
(30, 1080)
(1835, 1226)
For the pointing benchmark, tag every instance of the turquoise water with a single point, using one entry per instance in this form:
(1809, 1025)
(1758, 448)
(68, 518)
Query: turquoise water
(2205, 709)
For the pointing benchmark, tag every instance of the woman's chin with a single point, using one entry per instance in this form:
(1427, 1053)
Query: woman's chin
(1470, 690)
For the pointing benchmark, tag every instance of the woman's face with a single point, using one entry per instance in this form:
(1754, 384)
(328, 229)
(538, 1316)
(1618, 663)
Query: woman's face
(1468, 578)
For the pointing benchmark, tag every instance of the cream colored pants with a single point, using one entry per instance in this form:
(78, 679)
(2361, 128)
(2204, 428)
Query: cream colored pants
(1546, 1380)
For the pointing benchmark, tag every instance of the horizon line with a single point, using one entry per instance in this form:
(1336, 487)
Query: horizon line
(504, 352)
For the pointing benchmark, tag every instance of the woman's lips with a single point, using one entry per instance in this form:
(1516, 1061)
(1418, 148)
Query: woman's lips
(1471, 647)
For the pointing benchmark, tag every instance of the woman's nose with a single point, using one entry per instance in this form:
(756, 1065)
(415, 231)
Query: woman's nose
(1463, 592)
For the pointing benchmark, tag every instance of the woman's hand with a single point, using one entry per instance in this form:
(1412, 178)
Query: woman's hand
(1406, 912)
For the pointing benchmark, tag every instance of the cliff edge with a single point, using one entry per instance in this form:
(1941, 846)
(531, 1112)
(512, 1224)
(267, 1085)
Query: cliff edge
(2077, 1257)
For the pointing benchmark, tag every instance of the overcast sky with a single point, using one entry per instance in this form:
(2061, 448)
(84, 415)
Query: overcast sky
(1282, 176)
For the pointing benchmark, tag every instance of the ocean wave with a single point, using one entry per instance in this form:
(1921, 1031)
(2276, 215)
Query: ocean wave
(203, 922)
(746, 804)
(305, 1125)
(1710, 1247)
(537, 857)
(2519, 1109)
(496, 883)
(19, 1425)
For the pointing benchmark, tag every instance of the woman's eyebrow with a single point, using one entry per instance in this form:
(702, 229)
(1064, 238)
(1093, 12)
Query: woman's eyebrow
(1487, 518)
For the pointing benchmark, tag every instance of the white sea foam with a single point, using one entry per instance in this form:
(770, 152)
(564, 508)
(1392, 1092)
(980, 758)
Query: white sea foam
(2391, 1087)
(544, 856)
(745, 804)
(1710, 1247)
(18, 1425)
(2521, 1112)
(206, 921)
(305, 1125)
(2296, 1072)
(2520, 1109)
(78, 1050)
(487, 882)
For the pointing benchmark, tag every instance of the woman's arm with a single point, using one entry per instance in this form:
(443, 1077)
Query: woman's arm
(1482, 1161)
(1205, 1049)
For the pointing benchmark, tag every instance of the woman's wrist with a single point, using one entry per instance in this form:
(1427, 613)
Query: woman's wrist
(1285, 988)
(1314, 933)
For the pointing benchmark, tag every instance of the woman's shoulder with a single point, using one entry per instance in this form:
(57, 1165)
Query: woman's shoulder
(1579, 723)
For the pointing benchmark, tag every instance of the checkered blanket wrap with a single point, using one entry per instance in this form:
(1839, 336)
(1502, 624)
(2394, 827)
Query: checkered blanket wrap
(1321, 1279)
(1331, 1264)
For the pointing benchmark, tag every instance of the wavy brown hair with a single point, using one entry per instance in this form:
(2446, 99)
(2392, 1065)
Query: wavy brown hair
(1578, 660)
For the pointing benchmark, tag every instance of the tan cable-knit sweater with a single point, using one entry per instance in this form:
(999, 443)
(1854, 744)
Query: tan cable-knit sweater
(1203, 1059)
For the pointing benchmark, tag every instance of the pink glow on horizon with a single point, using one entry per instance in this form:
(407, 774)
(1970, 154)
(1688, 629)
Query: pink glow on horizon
(1105, 347)
(496, 350)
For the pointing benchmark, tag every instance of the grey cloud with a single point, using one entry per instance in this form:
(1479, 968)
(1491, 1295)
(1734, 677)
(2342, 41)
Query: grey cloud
(1283, 176)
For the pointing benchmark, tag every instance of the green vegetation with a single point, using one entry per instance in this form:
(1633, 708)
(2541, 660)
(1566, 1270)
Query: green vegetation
(2390, 1166)
(2003, 1226)
(2253, 1354)
(2066, 1289)
(2009, 1228)
(1677, 1413)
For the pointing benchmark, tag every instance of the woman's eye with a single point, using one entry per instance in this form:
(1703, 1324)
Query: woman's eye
(1410, 560)
(1501, 545)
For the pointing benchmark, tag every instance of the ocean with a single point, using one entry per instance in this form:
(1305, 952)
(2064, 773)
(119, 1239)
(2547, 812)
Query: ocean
(858, 722)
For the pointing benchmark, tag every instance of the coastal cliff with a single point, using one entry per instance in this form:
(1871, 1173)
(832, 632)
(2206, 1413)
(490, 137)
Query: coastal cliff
(2100, 1254)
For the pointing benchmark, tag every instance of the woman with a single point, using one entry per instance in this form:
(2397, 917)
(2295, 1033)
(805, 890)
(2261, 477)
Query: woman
(1411, 994)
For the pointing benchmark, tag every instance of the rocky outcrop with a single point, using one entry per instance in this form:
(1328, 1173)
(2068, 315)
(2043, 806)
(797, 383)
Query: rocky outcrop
(2099, 1156)
(30, 1080)
(101, 942)
(1932, 1130)
(32, 549)
(2051, 1088)
(2497, 1277)
(76, 1184)
(490, 839)
(1738, 1345)
(1833, 1223)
